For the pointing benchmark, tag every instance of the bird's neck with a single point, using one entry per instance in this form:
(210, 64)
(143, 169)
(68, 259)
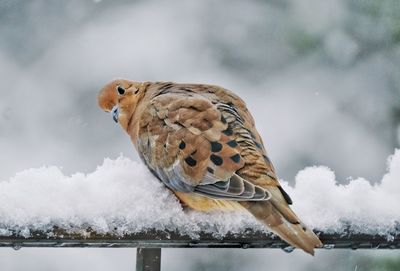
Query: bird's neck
(133, 124)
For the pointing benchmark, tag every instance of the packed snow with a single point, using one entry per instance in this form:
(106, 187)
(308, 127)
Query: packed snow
(122, 197)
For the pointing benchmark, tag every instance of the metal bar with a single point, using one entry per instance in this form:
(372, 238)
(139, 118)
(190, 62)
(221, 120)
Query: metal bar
(148, 259)
(168, 239)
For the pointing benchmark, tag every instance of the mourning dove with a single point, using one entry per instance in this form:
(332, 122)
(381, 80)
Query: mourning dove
(201, 142)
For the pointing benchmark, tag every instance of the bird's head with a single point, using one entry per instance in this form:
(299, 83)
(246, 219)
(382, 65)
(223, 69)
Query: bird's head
(120, 98)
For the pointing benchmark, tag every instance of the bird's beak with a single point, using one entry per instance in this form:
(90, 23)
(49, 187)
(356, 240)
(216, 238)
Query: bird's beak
(115, 113)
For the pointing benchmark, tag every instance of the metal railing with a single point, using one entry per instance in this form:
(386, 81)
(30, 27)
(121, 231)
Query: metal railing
(150, 243)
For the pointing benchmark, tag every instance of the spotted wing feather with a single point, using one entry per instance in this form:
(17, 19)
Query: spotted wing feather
(187, 143)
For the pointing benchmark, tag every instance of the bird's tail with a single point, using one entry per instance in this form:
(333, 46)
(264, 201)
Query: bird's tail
(283, 222)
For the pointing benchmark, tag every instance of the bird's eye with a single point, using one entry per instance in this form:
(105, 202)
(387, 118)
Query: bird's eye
(121, 90)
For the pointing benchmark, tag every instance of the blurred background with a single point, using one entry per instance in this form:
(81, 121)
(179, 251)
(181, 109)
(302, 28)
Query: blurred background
(322, 79)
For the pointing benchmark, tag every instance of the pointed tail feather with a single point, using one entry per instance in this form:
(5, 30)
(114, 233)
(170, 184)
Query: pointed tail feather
(295, 234)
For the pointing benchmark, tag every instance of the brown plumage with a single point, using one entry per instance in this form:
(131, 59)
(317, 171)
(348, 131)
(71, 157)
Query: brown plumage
(201, 142)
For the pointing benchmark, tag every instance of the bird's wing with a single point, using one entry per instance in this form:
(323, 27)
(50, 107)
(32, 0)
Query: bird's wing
(186, 140)
(258, 168)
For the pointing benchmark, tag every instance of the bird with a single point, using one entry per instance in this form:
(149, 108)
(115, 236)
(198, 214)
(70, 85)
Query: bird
(201, 141)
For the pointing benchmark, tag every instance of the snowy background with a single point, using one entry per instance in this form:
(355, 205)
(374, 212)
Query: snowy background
(322, 79)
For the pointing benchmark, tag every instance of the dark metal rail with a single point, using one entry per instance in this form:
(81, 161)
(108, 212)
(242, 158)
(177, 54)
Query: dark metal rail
(149, 243)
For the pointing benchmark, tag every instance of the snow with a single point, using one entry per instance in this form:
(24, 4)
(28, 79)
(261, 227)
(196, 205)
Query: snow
(358, 205)
(122, 197)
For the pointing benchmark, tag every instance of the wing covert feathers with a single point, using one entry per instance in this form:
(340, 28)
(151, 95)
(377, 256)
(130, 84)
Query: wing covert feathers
(201, 141)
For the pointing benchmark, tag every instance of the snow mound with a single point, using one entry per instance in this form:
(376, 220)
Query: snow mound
(122, 197)
(357, 206)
